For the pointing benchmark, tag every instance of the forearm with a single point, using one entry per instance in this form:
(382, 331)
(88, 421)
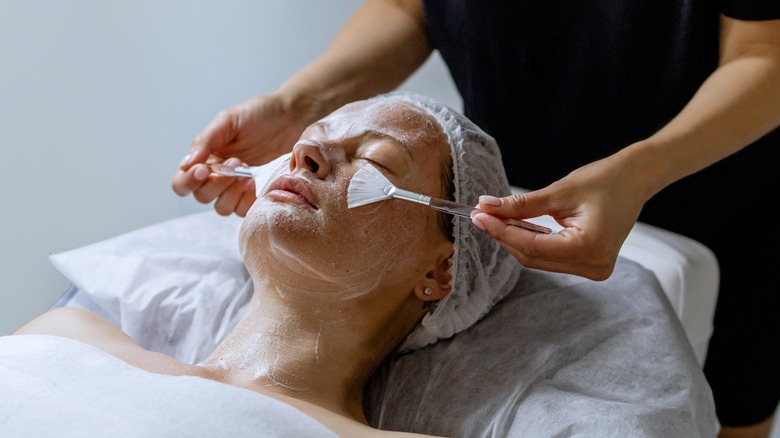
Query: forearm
(380, 46)
(736, 105)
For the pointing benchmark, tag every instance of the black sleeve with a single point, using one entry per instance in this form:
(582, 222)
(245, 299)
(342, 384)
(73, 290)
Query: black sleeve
(753, 10)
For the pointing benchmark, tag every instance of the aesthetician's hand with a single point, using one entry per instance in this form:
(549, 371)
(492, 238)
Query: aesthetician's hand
(597, 205)
(253, 132)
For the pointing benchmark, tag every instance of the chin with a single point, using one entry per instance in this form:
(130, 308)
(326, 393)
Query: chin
(271, 229)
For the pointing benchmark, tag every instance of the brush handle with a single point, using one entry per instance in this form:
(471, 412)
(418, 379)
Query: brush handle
(465, 211)
(226, 170)
(451, 207)
(406, 195)
(528, 226)
(454, 208)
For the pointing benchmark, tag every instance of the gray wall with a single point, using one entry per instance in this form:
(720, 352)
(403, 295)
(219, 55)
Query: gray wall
(99, 101)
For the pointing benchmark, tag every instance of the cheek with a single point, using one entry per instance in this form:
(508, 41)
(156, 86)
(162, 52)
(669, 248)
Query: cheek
(386, 232)
(386, 225)
(425, 176)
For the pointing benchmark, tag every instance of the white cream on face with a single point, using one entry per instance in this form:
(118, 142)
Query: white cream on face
(341, 253)
(347, 271)
(354, 124)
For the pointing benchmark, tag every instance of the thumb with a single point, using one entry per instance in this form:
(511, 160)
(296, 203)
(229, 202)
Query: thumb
(217, 134)
(520, 206)
(513, 239)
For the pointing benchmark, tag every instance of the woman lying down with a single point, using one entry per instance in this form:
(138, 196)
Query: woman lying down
(336, 290)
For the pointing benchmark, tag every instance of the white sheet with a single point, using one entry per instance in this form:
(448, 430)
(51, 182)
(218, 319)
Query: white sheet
(561, 356)
(607, 356)
(58, 387)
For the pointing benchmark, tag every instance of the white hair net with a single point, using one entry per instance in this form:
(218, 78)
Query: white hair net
(482, 271)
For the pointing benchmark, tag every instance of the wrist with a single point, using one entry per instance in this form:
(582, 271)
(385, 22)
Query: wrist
(312, 93)
(648, 165)
(302, 104)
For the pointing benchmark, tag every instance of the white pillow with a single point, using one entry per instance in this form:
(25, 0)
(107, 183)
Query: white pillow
(176, 287)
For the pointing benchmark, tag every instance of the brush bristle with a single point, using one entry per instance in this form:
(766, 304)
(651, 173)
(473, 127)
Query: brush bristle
(367, 186)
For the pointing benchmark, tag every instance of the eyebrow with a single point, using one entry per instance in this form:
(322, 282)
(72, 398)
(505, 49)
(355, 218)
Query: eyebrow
(391, 138)
(374, 133)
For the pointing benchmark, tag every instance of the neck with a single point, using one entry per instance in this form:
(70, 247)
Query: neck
(318, 352)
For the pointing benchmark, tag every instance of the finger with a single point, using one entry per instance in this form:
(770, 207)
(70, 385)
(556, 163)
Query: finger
(247, 199)
(596, 273)
(228, 200)
(563, 252)
(186, 182)
(216, 184)
(517, 239)
(520, 206)
(218, 133)
(527, 246)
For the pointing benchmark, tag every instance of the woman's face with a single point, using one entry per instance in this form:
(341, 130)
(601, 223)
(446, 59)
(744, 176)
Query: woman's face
(300, 231)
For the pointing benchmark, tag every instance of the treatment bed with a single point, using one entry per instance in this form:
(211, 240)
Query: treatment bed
(559, 356)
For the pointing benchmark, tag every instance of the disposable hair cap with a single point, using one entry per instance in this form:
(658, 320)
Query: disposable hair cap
(483, 272)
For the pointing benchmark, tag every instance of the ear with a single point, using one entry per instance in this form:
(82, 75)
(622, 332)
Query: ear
(437, 282)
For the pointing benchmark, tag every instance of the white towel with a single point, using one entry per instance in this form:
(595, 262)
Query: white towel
(54, 386)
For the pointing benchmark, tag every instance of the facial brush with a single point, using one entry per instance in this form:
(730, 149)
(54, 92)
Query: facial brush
(369, 185)
(223, 169)
(260, 173)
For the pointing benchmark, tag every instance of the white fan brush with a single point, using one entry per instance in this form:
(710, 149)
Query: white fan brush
(368, 185)
(261, 173)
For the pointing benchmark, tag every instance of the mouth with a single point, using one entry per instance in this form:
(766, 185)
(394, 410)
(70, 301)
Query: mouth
(290, 189)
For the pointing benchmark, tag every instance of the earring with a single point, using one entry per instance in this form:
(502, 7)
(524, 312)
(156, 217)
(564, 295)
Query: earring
(427, 291)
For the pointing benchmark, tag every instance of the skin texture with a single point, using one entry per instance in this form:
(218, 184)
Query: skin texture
(597, 204)
(335, 289)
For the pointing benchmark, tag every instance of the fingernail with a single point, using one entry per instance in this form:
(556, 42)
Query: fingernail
(234, 162)
(185, 159)
(201, 173)
(478, 222)
(490, 200)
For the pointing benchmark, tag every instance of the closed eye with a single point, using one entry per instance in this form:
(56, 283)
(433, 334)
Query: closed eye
(377, 164)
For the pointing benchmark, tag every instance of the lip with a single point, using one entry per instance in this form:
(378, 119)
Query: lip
(292, 189)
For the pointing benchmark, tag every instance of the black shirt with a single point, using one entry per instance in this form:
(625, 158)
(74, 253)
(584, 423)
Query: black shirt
(560, 83)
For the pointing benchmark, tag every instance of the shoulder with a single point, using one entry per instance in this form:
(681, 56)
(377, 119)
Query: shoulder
(70, 322)
(85, 326)
(81, 325)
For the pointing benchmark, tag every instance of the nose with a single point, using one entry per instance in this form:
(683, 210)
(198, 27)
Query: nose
(309, 157)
